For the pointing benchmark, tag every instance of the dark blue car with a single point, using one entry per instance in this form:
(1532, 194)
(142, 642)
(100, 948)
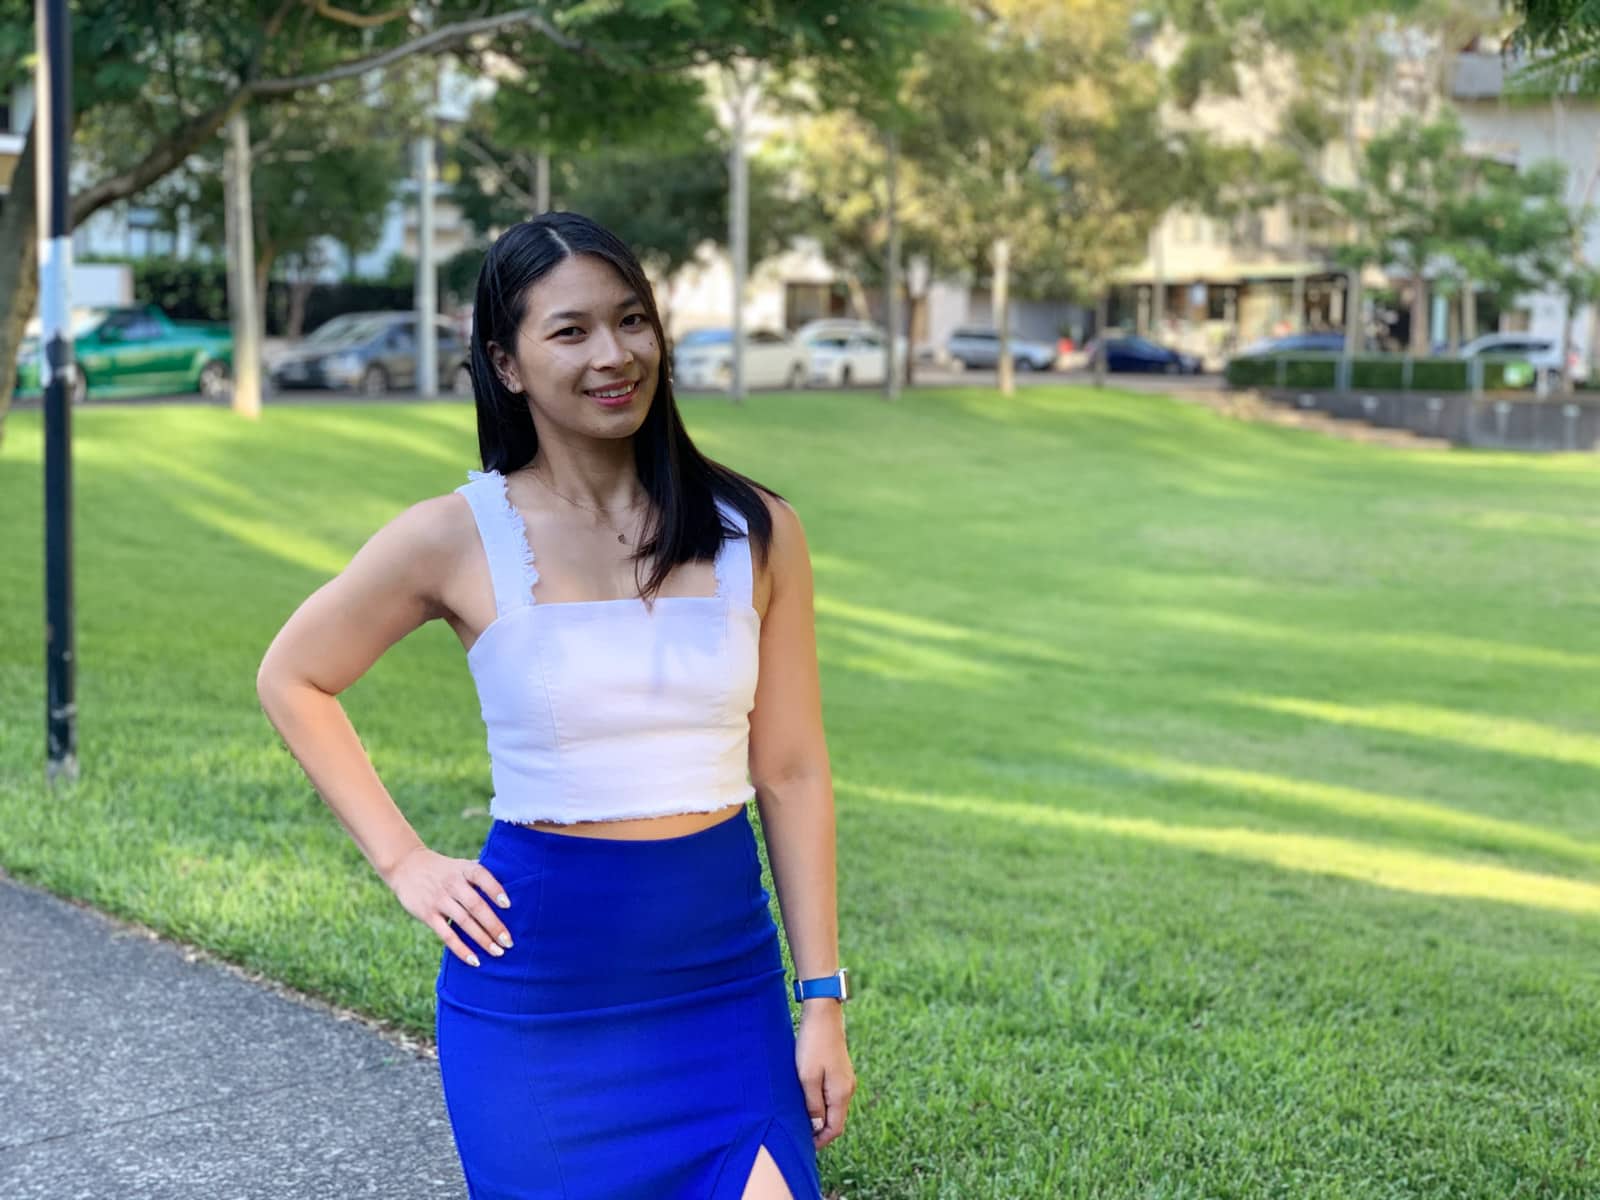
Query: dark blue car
(1131, 354)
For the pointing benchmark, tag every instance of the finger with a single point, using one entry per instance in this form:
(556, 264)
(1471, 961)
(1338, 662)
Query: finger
(816, 1106)
(838, 1102)
(464, 921)
(456, 946)
(478, 908)
(480, 876)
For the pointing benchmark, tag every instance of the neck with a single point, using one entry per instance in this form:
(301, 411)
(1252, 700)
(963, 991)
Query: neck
(602, 478)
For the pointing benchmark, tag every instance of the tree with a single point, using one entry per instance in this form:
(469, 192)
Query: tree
(327, 173)
(177, 71)
(1043, 133)
(844, 203)
(663, 189)
(1563, 36)
(1424, 205)
(1404, 207)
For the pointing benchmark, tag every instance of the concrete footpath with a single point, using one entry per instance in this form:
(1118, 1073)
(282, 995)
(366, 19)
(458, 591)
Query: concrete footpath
(134, 1069)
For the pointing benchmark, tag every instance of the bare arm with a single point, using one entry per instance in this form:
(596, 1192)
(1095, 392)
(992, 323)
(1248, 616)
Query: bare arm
(794, 792)
(330, 641)
(789, 757)
(390, 587)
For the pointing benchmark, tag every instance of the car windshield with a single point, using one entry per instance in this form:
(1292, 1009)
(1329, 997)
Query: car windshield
(361, 331)
(336, 330)
(706, 337)
(831, 342)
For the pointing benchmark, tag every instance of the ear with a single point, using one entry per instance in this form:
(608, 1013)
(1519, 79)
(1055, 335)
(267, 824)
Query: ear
(506, 368)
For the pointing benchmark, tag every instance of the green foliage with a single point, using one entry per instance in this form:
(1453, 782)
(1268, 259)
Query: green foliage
(1036, 124)
(183, 290)
(1425, 204)
(1379, 374)
(1564, 38)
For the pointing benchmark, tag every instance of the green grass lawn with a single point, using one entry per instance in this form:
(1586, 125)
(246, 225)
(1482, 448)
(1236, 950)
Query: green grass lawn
(1219, 805)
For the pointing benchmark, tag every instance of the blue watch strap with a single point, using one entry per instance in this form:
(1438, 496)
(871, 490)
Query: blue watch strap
(834, 986)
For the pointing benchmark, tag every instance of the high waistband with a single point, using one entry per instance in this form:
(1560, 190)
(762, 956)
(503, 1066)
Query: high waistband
(510, 833)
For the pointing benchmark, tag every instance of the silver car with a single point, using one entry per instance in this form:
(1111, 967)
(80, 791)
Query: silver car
(372, 353)
(973, 346)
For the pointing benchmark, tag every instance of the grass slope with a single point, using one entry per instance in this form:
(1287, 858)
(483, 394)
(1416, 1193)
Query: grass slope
(1217, 803)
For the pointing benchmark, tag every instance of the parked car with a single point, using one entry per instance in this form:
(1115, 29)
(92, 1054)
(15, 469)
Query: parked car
(1140, 354)
(832, 328)
(372, 353)
(978, 347)
(703, 358)
(1542, 352)
(134, 351)
(844, 357)
(1311, 342)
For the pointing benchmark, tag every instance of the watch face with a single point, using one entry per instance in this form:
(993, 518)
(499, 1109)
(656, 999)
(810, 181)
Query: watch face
(844, 984)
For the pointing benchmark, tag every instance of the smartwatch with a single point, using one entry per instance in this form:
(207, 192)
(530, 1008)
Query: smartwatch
(836, 986)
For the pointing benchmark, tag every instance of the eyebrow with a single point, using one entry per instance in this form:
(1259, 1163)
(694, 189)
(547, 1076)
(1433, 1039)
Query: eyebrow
(574, 314)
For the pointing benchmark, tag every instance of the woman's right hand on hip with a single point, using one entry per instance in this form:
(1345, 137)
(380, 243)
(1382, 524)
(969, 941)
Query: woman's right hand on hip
(444, 894)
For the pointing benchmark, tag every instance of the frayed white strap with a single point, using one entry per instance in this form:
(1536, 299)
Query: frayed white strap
(734, 567)
(505, 539)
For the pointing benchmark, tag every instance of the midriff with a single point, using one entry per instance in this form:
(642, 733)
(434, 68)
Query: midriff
(640, 828)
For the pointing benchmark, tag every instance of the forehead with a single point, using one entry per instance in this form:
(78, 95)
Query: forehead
(579, 282)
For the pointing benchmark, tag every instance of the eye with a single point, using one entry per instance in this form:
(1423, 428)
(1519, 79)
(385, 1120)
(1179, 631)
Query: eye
(567, 330)
(638, 319)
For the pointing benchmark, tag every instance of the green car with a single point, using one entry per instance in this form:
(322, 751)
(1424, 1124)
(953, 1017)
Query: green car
(137, 351)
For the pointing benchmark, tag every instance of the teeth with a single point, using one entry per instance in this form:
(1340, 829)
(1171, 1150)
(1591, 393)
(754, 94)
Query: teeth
(614, 393)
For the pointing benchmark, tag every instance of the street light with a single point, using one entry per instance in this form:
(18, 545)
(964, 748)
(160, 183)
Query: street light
(52, 139)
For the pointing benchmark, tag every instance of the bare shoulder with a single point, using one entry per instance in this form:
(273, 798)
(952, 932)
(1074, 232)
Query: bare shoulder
(422, 545)
(788, 562)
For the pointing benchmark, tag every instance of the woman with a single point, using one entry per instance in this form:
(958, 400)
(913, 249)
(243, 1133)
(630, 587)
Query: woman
(613, 1017)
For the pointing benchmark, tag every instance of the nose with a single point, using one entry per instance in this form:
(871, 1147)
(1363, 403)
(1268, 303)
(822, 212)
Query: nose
(609, 350)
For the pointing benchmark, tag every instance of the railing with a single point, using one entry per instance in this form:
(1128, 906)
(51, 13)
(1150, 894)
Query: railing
(1469, 401)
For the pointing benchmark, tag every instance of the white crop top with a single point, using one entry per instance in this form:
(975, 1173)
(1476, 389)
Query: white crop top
(604, 709)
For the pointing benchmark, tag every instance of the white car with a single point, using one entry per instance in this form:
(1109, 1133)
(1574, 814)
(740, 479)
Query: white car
(1544, 353)
(843, 359)
(703, 358)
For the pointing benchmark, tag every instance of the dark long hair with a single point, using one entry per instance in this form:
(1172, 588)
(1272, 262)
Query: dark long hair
(682, 483)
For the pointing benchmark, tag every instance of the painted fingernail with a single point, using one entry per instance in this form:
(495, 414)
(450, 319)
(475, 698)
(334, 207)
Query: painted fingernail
(496, 951)
(502, 900)
(473, 959)
(505, 940)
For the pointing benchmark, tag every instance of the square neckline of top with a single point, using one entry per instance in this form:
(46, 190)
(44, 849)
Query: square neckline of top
(510, 532)
(733, 606)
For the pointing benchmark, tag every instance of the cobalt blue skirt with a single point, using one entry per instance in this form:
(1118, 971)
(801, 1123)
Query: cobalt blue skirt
(635, 1043)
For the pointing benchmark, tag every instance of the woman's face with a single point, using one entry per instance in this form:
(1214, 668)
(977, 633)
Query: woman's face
(586, 354)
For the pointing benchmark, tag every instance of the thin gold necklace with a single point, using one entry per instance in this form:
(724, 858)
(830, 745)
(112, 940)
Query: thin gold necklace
(605, 516)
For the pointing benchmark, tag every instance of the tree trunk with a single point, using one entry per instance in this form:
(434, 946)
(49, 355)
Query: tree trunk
(1102, 311)
(1469, 312)
(19, 272)
(1001, 301)
(1419, 315)
(858, 296)
(264, 260)
(913, 308)
(1566, 349)
(299, 293)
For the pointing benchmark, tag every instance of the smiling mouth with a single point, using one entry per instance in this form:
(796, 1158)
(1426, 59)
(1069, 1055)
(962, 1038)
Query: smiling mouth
(615, 391)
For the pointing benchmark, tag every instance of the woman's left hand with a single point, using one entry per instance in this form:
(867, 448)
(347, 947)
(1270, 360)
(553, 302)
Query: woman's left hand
(826, 1076)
